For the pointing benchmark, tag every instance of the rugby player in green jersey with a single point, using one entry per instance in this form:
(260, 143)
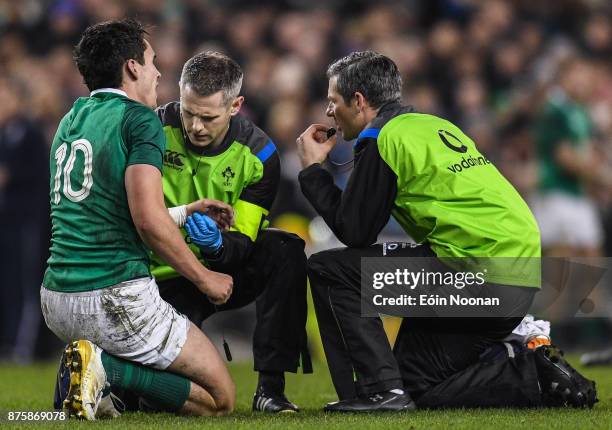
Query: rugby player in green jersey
(213, 151)
(107, 207)
(427, 174)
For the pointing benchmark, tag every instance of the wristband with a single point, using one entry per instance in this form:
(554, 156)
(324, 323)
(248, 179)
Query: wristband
(213, 256)
(178, 214)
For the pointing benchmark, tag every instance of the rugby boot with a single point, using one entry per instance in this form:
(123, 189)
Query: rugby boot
(87, 379)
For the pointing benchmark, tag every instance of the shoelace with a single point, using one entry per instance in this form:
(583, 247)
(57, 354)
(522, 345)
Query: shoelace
(117, 402)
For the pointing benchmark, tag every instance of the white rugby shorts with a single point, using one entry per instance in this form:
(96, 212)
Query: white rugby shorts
(128, 320)
(569, 220)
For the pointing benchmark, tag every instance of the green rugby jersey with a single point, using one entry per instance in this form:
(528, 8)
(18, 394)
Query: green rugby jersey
(94, 243)
(427, 174)
(243, 171)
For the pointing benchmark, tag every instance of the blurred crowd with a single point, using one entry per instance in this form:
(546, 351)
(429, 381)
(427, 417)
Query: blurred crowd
(492, 67)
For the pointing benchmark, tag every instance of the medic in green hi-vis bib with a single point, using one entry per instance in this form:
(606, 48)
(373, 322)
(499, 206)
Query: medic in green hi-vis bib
(455, 204)
(214, 152)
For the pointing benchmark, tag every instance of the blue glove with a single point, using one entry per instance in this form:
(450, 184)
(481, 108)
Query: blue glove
(204, 232)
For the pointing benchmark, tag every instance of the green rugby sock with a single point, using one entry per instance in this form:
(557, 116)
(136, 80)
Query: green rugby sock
(165, 390)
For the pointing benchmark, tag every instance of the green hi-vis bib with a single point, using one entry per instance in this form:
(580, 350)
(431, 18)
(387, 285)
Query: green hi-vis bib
(226, 174)
(452, 197)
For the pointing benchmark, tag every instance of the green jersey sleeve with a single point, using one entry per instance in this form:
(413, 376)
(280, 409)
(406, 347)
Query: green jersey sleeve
(143, 136)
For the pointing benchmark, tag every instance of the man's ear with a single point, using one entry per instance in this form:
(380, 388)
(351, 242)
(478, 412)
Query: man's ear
(131, 69)
(236, 105)
(359, 101)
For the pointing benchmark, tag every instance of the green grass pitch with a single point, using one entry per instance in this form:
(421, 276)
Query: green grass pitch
(30, 388)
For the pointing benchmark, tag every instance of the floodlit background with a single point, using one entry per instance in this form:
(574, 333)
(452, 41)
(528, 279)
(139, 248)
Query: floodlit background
(492, 67)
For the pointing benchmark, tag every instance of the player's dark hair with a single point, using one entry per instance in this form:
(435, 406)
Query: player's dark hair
(209, 72)
(105, 47)
(370, 73)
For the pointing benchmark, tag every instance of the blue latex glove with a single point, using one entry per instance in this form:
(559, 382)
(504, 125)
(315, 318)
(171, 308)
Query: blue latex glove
(204, 232)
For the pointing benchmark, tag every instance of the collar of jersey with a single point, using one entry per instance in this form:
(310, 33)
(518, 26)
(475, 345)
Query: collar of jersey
(382, 117)
(108, 90)
(373, 128)
(229, 138)
(391, 106)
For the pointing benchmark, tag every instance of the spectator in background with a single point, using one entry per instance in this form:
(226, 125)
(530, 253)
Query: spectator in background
(24, 220)
(568, 219)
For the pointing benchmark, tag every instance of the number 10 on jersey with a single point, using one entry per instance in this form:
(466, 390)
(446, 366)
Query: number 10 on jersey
(62, 174)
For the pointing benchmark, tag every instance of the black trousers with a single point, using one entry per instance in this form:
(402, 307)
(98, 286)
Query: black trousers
(23, 251)
(437, 360)
(274, 276)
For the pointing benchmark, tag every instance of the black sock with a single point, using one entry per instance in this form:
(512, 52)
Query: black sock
(271, 383)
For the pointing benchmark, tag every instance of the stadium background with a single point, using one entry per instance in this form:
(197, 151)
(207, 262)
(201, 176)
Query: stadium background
(486, 65)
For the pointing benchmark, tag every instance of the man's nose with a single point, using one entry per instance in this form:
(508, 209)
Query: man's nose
(197, 125)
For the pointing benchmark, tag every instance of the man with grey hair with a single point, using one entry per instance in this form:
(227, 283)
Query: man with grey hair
(427, 174)
(214, 152)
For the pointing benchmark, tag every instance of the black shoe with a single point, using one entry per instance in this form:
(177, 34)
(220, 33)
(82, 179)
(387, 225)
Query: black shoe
(273, 403)
(385, 401)
(560, 383)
